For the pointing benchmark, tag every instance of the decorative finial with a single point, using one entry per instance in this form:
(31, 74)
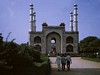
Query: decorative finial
(75, 5)
(31, 4)
(71, 12)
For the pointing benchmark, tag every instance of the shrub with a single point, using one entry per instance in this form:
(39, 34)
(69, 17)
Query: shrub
(22, 60)
(43, 68)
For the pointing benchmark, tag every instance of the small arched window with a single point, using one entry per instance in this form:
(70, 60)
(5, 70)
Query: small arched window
(37, 39)
(69, 39)
(53, 41)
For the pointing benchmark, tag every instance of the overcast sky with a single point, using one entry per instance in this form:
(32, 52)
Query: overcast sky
(14, 16)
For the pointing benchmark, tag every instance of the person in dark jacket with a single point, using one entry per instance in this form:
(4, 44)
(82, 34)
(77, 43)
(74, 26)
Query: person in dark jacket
(63, 62)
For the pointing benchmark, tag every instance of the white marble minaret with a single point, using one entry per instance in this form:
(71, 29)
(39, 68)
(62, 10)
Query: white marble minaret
(32, 19)
(75, 17)
(71, 21)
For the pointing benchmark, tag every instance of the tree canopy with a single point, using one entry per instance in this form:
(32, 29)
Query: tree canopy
(90, 44)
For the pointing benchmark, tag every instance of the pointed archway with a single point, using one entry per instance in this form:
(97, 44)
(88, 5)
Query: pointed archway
(53, 42)
(69, 48)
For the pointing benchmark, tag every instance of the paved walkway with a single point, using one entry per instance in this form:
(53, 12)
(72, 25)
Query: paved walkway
(78, 67)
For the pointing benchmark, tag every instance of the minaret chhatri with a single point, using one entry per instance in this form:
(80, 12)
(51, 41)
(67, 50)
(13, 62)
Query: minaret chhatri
(75, 17)
(71, 21)
(32, 19)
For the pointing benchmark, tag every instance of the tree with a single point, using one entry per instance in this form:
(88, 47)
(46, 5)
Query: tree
(21, 59)
(95, 46)
(1, 39)
(84, 44)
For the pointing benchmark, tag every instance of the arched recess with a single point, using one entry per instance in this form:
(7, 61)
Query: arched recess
(69, 48)
(69, 39)
(37, 39)
(53, 42)
(38, 47)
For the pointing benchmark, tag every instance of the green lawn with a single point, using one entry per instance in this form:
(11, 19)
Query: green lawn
(91, 59)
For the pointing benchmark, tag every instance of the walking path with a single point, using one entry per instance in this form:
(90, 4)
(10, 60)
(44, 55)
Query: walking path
(78, 67)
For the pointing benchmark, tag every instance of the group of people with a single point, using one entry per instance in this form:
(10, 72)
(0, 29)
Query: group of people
(62, 60)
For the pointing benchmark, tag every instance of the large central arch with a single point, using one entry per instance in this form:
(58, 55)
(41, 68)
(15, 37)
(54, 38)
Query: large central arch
(53, 42)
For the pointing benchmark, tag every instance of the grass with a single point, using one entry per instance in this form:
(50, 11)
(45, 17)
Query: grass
(91, 59)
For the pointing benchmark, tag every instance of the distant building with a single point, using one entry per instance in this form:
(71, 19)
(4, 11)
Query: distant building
(54, 38)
